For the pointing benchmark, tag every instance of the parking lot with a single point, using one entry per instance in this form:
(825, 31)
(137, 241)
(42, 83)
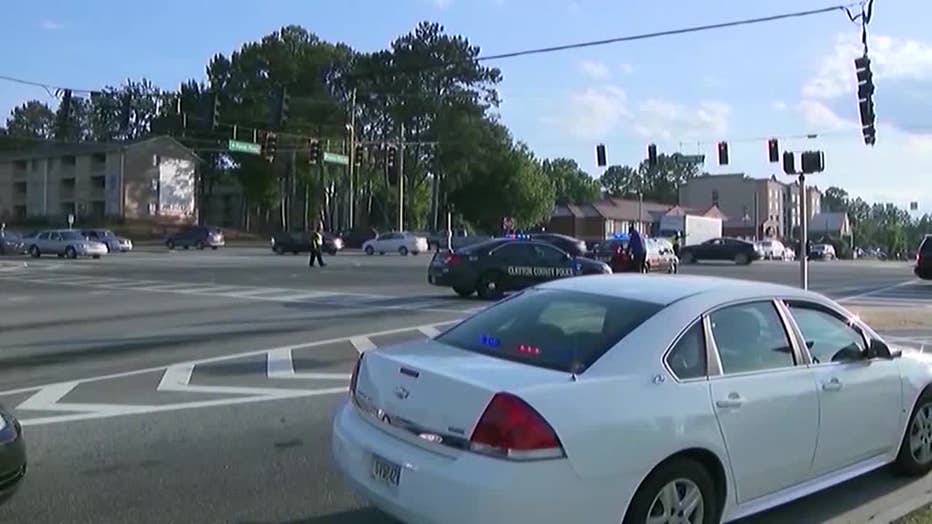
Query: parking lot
(216, 372)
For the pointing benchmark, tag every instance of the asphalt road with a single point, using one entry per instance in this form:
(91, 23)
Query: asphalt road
(198, 386)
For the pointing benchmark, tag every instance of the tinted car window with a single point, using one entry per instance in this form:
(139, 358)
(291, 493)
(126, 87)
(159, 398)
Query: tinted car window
(549, 255)
(556, 329)
(688, 358)
(43, 236)
(925, 248)
(751, 337)
(522, 251)
(828, 337)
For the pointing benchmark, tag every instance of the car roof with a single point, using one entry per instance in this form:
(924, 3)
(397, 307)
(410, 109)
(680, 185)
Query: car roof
(666, 290)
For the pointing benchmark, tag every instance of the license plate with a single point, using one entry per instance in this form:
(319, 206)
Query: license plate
(385, 470)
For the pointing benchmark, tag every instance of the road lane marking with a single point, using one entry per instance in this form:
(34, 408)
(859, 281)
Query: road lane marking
(280, 365)
(177, 378)
(430, 331)
(362, 344)
(876, 291)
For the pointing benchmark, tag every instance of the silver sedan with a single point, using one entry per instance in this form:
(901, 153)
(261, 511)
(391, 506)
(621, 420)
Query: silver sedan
(65, 243)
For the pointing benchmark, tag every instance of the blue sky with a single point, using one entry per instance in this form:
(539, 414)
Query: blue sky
(684, 93)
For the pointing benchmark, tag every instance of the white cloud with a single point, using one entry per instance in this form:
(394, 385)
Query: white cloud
(594, 69)
(597, 111)
(668, 120)
(626, 68)
(891, 59)
(821, 117)
(51, 25)
(779, 105)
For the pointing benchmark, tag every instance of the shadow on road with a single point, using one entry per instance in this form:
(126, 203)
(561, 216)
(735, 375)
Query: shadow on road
(359, 516)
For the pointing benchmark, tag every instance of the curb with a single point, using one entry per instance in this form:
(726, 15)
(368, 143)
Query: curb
(892, 506)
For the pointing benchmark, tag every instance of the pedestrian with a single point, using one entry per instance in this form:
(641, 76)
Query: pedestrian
(676, 243)
(636, 247)
(317, 241)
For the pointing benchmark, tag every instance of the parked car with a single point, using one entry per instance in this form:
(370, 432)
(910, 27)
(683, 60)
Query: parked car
(355, 238)
(200, 237)
(300, 242)
(822, 252)
(772, 249)
(11, 243)
(660, 255)
(12, 455)
(64, 243)
(402, 242)
(114, 243)
(740, 251)
(924, 259)
(573, 246)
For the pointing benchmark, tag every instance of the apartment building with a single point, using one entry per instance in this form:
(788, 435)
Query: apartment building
(148, 179)
(753, 207)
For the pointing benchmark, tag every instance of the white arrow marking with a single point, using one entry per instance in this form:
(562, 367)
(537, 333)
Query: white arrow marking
(280, 364)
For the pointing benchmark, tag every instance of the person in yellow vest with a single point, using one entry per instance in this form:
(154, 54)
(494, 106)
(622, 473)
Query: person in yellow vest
(317, 243)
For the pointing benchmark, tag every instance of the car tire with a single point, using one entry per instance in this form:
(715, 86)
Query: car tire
(215, 247)
(170, 244)
(490, 287)
(201, 245)
(71, 253)
(34, 252)
(186, 247)
(742, 260)
(906, 462)
(403, 251)
(463, 292)
(95, 257)
(685, 477)
(278, 250)
(369, 250)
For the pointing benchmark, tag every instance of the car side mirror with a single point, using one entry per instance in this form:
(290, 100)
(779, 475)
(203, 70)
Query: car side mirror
(878, 349)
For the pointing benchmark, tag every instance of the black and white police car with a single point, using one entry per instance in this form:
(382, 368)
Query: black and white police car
(506, 264)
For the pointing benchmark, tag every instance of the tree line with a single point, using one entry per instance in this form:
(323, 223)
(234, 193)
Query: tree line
(876, 225)
(459, 157)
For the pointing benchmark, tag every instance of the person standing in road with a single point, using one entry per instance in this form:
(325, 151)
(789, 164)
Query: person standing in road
(636, 246)
(317, 242)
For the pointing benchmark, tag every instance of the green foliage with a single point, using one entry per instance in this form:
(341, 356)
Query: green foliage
(879, 225)
(571, 184)
(660, 183)
(32, 119)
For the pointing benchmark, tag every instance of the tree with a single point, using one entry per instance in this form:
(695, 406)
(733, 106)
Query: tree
(662, 182)
(33, 119)
(835, 200)
(571, 184)
(619, 181)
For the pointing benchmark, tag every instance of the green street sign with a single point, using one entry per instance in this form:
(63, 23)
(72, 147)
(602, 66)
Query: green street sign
(244, 147)
(335, 158)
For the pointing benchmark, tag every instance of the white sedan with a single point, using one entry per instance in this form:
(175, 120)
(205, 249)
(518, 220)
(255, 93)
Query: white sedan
(638, 400)
(397, 242)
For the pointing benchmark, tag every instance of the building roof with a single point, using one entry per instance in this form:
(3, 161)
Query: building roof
(829, 222)
(55, 149)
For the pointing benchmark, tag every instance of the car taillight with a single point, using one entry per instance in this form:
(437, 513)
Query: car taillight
(452, 260)
(510, 428)
(354, 376)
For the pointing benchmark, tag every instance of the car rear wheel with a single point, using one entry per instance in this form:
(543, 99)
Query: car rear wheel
(170, 244)
(200, 244)
(71, 253)
(679, 490)
(369, 250)
(741, 259)
(915, 457)
(463, 291)
(403, 251)
(490, 287)
(278, 250)
(34, 252)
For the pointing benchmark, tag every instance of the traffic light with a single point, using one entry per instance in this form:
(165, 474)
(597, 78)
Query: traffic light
(278, 110)
(723, 153)
(812, 162)
(313, 150)
(64, 115)
(391, 163)
(652, 155)
(270, 146)
(357, 158)
(214, 110)
(789, 163)
(773, 150)
(865, 77)
(600, 155)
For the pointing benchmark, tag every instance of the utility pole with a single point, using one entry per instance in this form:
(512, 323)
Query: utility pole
(351, 168)
(757, 216)
(401, 180)
(803, 233)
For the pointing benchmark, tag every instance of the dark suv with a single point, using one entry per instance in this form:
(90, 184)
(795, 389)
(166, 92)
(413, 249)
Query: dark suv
(196, 236)
(924, 259)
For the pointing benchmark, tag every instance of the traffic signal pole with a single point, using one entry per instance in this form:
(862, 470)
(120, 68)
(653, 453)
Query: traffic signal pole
(803, 233)
(401, 180)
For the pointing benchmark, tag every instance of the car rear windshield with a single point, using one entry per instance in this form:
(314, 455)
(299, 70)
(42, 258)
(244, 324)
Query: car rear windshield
(555, 329)
(925, 249)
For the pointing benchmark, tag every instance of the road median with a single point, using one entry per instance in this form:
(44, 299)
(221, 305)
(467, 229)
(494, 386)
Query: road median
(894, 317)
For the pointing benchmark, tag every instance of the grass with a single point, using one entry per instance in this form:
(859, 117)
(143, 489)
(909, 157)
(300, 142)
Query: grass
(920, 516)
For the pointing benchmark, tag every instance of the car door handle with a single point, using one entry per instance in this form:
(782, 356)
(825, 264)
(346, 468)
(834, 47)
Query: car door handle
(832, 385)
(734, 400)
